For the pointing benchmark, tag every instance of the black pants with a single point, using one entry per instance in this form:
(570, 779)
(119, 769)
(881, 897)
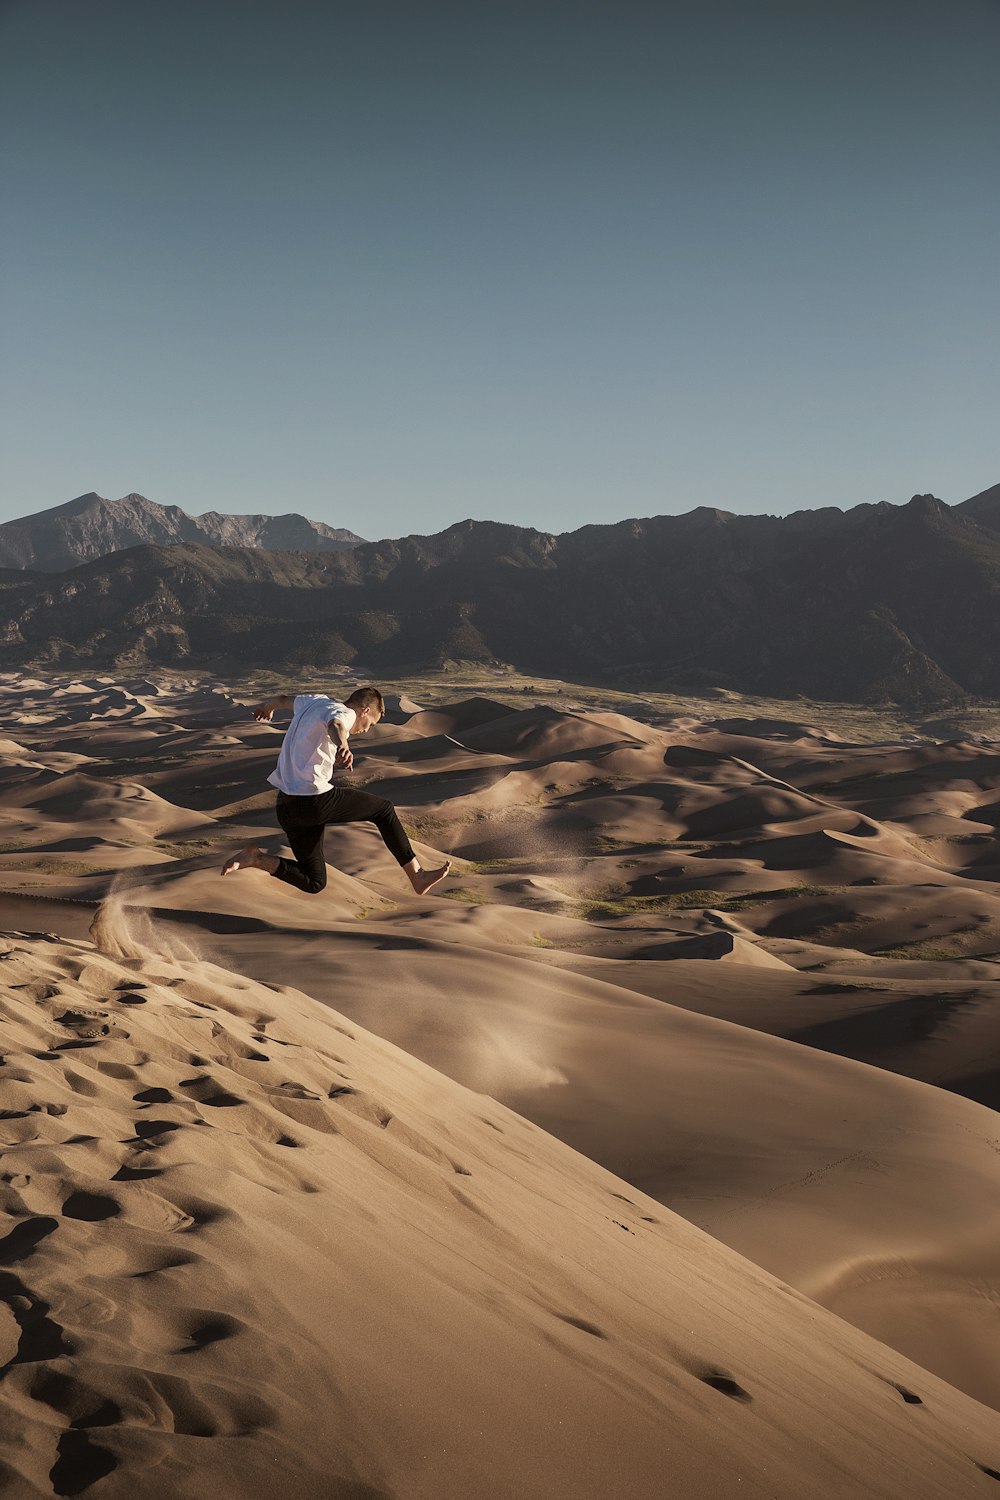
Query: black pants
(304, 820)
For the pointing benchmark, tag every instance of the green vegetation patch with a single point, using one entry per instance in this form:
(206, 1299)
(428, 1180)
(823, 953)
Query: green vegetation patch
(43, 864)
(471, 898)
(696, 900)
(920, 952)
(419, 827)
(491, 866)
(785, 893)
(602, 843)
(185, 848)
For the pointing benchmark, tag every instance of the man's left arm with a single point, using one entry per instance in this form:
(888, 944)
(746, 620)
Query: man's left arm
(283, 703)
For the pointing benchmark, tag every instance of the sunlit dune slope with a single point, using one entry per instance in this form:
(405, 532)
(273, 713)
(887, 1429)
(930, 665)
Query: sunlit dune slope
(248, 1243)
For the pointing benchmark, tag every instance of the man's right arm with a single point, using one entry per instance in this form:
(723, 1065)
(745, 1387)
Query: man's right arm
(282, 703)
(344, 757)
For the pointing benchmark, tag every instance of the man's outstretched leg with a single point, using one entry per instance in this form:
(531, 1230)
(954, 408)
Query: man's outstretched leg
(349, 806)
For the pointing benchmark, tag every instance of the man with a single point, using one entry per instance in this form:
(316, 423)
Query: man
(315, 745)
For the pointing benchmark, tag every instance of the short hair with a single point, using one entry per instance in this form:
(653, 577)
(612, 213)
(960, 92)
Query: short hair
(367, 697)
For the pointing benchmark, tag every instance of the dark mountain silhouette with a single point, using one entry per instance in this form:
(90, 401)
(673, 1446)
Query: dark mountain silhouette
(91, 526)
(875, 603)
(983, 508)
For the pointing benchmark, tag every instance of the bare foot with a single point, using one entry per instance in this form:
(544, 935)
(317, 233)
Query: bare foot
(250, 857)
(422, 880)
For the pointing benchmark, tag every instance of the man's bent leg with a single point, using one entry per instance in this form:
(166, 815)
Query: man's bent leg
(250, 857)
(307, 871)
(346, 805)
(304, 832)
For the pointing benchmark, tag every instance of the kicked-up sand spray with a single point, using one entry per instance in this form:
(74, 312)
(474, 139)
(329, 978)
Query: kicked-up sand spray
(122, 929)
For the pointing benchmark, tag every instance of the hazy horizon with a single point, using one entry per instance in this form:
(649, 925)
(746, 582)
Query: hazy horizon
(552, 264)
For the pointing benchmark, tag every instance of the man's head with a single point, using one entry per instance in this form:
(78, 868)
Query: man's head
(369, 706)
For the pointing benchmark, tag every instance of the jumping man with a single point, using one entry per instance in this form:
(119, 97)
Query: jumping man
(315, 745)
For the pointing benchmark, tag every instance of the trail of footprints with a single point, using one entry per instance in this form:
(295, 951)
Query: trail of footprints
(94, 1396)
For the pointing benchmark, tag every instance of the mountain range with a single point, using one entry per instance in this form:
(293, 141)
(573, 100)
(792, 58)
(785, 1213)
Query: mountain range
(880, 602)
(91, 526)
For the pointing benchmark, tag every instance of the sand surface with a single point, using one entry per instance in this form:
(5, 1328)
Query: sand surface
(655, 1152)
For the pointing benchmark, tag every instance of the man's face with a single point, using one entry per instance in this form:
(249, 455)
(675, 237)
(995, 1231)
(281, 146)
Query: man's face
(366, 718)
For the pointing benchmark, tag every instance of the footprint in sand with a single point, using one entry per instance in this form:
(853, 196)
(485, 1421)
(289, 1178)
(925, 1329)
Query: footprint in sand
(237, 1048)
(24, 1239)
(72, 1398)
(363, 1106)
(148, 1130)
(908, 1396)
(726, 1384)
(40, 991)
(210, 1330)
(196, 1216)
(165, 1263)
(295, 1091)
(42, 1109)
(190, 1408)
(88, 1029)
(114, 1070)
(471, 1204)
(277, 1041)
(40, 1337)
(80, 1463)
(205, 1090)
(153, 1096)
(136, 1174)
(583, 1325)
(91, 1207)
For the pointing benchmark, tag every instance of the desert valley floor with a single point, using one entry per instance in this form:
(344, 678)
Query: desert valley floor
(653, 1154)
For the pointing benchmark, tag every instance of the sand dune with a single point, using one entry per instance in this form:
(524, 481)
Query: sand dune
(743, 973)
(249, 1242)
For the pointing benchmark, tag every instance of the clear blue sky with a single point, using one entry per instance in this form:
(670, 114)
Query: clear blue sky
(393, 263)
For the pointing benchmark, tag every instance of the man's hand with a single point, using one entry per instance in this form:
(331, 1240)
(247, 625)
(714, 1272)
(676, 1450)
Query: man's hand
(344, 758)
(264, 712)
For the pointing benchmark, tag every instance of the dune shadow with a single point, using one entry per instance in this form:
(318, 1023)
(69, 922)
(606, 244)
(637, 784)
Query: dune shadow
(875, 1035)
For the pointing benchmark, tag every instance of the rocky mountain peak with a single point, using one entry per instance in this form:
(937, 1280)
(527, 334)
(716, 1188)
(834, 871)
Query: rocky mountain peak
(92, 526)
